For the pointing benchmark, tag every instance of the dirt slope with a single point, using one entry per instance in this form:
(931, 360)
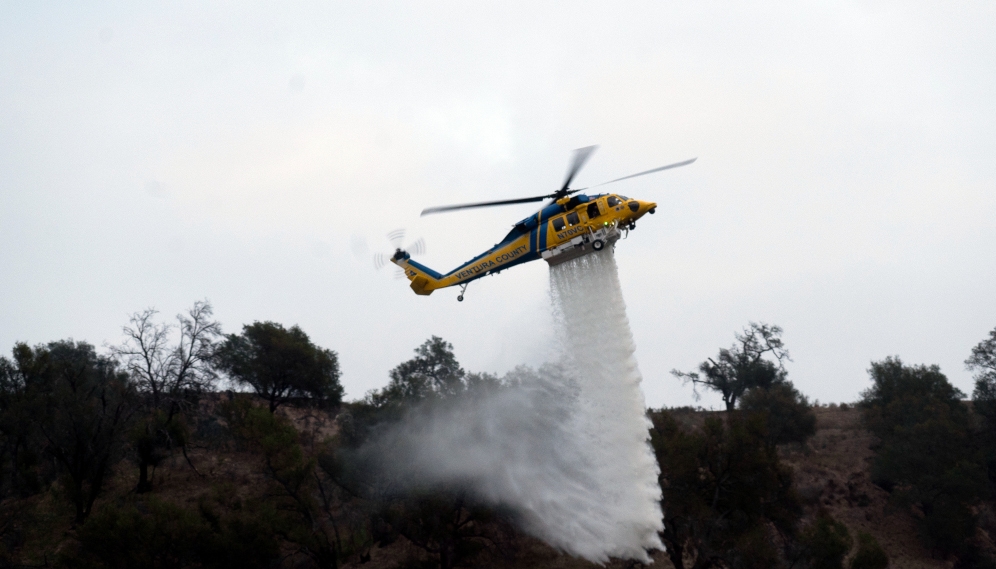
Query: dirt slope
(831, 471)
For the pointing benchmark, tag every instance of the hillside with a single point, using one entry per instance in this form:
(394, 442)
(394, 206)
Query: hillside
(831, 472)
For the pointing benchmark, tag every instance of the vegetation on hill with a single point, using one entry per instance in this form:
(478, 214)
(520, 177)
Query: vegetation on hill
(134, 459)
(280, 364)
(927, 454)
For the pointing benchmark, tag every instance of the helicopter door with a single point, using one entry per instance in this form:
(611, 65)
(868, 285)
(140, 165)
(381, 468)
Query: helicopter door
(593, 210)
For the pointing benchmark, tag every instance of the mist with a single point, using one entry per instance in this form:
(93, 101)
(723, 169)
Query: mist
(565, 447)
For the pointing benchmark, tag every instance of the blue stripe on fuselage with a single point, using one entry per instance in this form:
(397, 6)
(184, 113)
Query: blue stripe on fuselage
(425, 269)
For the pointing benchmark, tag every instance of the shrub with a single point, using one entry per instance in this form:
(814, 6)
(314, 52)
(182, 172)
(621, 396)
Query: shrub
(220, 532)
(870, 554)
(787, 413)
(160, 534)
(727, 478)
(825, 543)
(926, 455)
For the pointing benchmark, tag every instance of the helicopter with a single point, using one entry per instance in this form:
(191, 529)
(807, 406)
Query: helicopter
(570, 226)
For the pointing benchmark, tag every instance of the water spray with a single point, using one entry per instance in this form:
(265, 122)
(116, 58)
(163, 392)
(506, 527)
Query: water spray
(564, 447)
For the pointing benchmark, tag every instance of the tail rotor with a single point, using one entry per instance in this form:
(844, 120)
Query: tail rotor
(396, 238)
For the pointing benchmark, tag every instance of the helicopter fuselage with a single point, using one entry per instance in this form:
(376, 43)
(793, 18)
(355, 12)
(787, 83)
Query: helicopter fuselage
(568, 228)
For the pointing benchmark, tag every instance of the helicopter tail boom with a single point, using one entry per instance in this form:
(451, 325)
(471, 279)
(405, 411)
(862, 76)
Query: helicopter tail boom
(506, 254)
(423, 279)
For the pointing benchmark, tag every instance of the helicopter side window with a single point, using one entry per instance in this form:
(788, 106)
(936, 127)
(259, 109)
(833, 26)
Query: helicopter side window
(558, 224)
(593, 210)
(572, 218)
(613, 201)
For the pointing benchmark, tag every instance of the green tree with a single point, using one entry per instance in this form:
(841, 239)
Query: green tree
(745, 365)
(447, 524)
(723, 486)
(171, 374)
(787, 413)
(87, 402)
(280, 364)
(983, 363)
(23, 380)
(926, 455)
(433, 372)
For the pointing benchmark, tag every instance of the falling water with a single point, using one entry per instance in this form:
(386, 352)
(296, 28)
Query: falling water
(597, 347)
(564, 447)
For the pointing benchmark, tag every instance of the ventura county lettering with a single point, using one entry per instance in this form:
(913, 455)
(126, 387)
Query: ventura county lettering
(487, 264)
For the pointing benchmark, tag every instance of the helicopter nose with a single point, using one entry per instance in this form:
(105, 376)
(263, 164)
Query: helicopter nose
(646, 207)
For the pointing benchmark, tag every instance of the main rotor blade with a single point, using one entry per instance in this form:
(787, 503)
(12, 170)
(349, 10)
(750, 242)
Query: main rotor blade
(669, 166)
(581, 155)
(440, 209)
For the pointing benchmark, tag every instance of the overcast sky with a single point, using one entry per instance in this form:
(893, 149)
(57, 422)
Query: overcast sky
(256, 155)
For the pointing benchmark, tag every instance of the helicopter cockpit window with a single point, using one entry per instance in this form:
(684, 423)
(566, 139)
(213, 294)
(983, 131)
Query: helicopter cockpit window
(572, 218)
(558, 224)
(613, 201)
(592, 210)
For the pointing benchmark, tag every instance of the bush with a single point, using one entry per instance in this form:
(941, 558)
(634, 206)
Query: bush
(754, 549)
(787, 413)
(450, 527)
(160, 534)
(825, 543)
(870, 554)
(727, 478)
(303, 483)
(926, 455)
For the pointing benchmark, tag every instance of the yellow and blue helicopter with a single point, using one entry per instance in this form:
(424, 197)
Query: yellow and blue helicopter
(571, 225)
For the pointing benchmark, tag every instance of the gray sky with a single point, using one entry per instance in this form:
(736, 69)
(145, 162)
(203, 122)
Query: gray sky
(154, 154)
